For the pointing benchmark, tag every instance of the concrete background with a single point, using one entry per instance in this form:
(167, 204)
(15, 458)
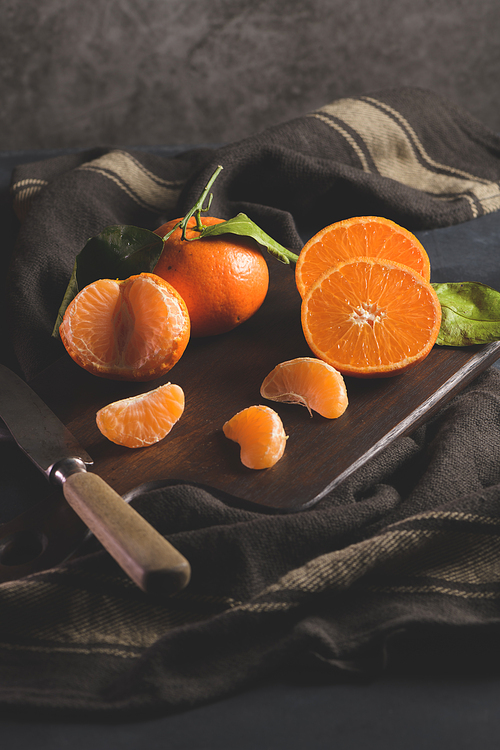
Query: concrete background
(156, 72)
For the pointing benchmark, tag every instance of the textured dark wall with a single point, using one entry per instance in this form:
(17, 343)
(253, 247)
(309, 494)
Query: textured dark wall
(130, 72)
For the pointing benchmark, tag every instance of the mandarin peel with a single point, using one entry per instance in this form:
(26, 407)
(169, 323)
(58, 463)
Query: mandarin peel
(223, 280)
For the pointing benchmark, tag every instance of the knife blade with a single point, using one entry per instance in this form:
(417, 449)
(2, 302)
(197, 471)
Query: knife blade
(147, 557)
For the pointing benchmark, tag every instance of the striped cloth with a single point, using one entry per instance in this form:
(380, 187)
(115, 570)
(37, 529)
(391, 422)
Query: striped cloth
(402, 558)
(404, 154)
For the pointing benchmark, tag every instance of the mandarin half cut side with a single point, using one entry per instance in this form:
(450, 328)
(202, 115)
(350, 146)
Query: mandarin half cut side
(260, 434)
(371, 318)
(135, 329)
(368, 236)
(310, 382)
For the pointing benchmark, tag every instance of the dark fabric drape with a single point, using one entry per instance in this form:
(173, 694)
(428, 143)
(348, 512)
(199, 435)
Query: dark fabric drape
(406, 550)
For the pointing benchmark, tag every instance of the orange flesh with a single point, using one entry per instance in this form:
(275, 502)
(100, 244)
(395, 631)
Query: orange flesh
(260, 434)
(144, 419)
(367, 236)
(368, 317)
(311, 382)
(132, 329)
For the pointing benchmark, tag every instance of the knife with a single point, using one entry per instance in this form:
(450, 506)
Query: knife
(147, 558)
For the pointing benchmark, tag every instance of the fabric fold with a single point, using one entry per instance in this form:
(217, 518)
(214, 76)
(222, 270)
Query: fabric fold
(391, 553)
(405, 154)
(402, 555)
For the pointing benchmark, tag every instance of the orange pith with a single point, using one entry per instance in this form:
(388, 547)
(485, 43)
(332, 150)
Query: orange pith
(144, 419)
(370, 318)
(311, 382)
(367, 236)
(223, 280)
(260, 434)
(135, 329)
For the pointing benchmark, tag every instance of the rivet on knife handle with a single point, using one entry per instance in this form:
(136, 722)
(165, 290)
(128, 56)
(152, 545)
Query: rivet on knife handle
(149, 560)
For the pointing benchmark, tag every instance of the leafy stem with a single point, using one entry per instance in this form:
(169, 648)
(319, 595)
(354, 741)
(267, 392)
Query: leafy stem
(196, 209)
(240, 225)
(245, 227)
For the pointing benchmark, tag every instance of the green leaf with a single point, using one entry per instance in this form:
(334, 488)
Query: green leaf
(245, 227)
(70, 293)
(470, 313)
(116, 253)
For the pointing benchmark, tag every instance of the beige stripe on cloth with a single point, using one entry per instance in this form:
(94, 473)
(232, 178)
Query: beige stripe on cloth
(139, 183)
(393, 146)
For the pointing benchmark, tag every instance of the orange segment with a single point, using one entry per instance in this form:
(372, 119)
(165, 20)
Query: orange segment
(371, 318)
(260, 434)
(136, 329)
(371, 236)
(311, 382)
(144, 419)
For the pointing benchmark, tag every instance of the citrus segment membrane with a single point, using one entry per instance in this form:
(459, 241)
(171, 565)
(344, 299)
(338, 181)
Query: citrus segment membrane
(311, 382)
(135, 329)
(260, 434)
(142, 420)
(367, 236)
(370, 317)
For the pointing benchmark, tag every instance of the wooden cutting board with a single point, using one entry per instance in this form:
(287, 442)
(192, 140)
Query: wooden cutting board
(223, 374)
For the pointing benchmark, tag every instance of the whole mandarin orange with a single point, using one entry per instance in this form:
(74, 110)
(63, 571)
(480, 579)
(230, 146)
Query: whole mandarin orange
(223, 280)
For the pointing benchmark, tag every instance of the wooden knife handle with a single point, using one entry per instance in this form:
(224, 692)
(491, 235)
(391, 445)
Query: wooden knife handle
(147, 558)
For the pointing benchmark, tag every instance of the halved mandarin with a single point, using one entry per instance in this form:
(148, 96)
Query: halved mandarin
(135, 329)
(142, 420)
(260, 434)
(371, 318)
(367, 236)
(308, 381)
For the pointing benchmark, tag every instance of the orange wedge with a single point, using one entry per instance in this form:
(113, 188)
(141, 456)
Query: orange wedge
(371, 236)
(260, 434)
(311, 382)
(371, 318)
(144, 419)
